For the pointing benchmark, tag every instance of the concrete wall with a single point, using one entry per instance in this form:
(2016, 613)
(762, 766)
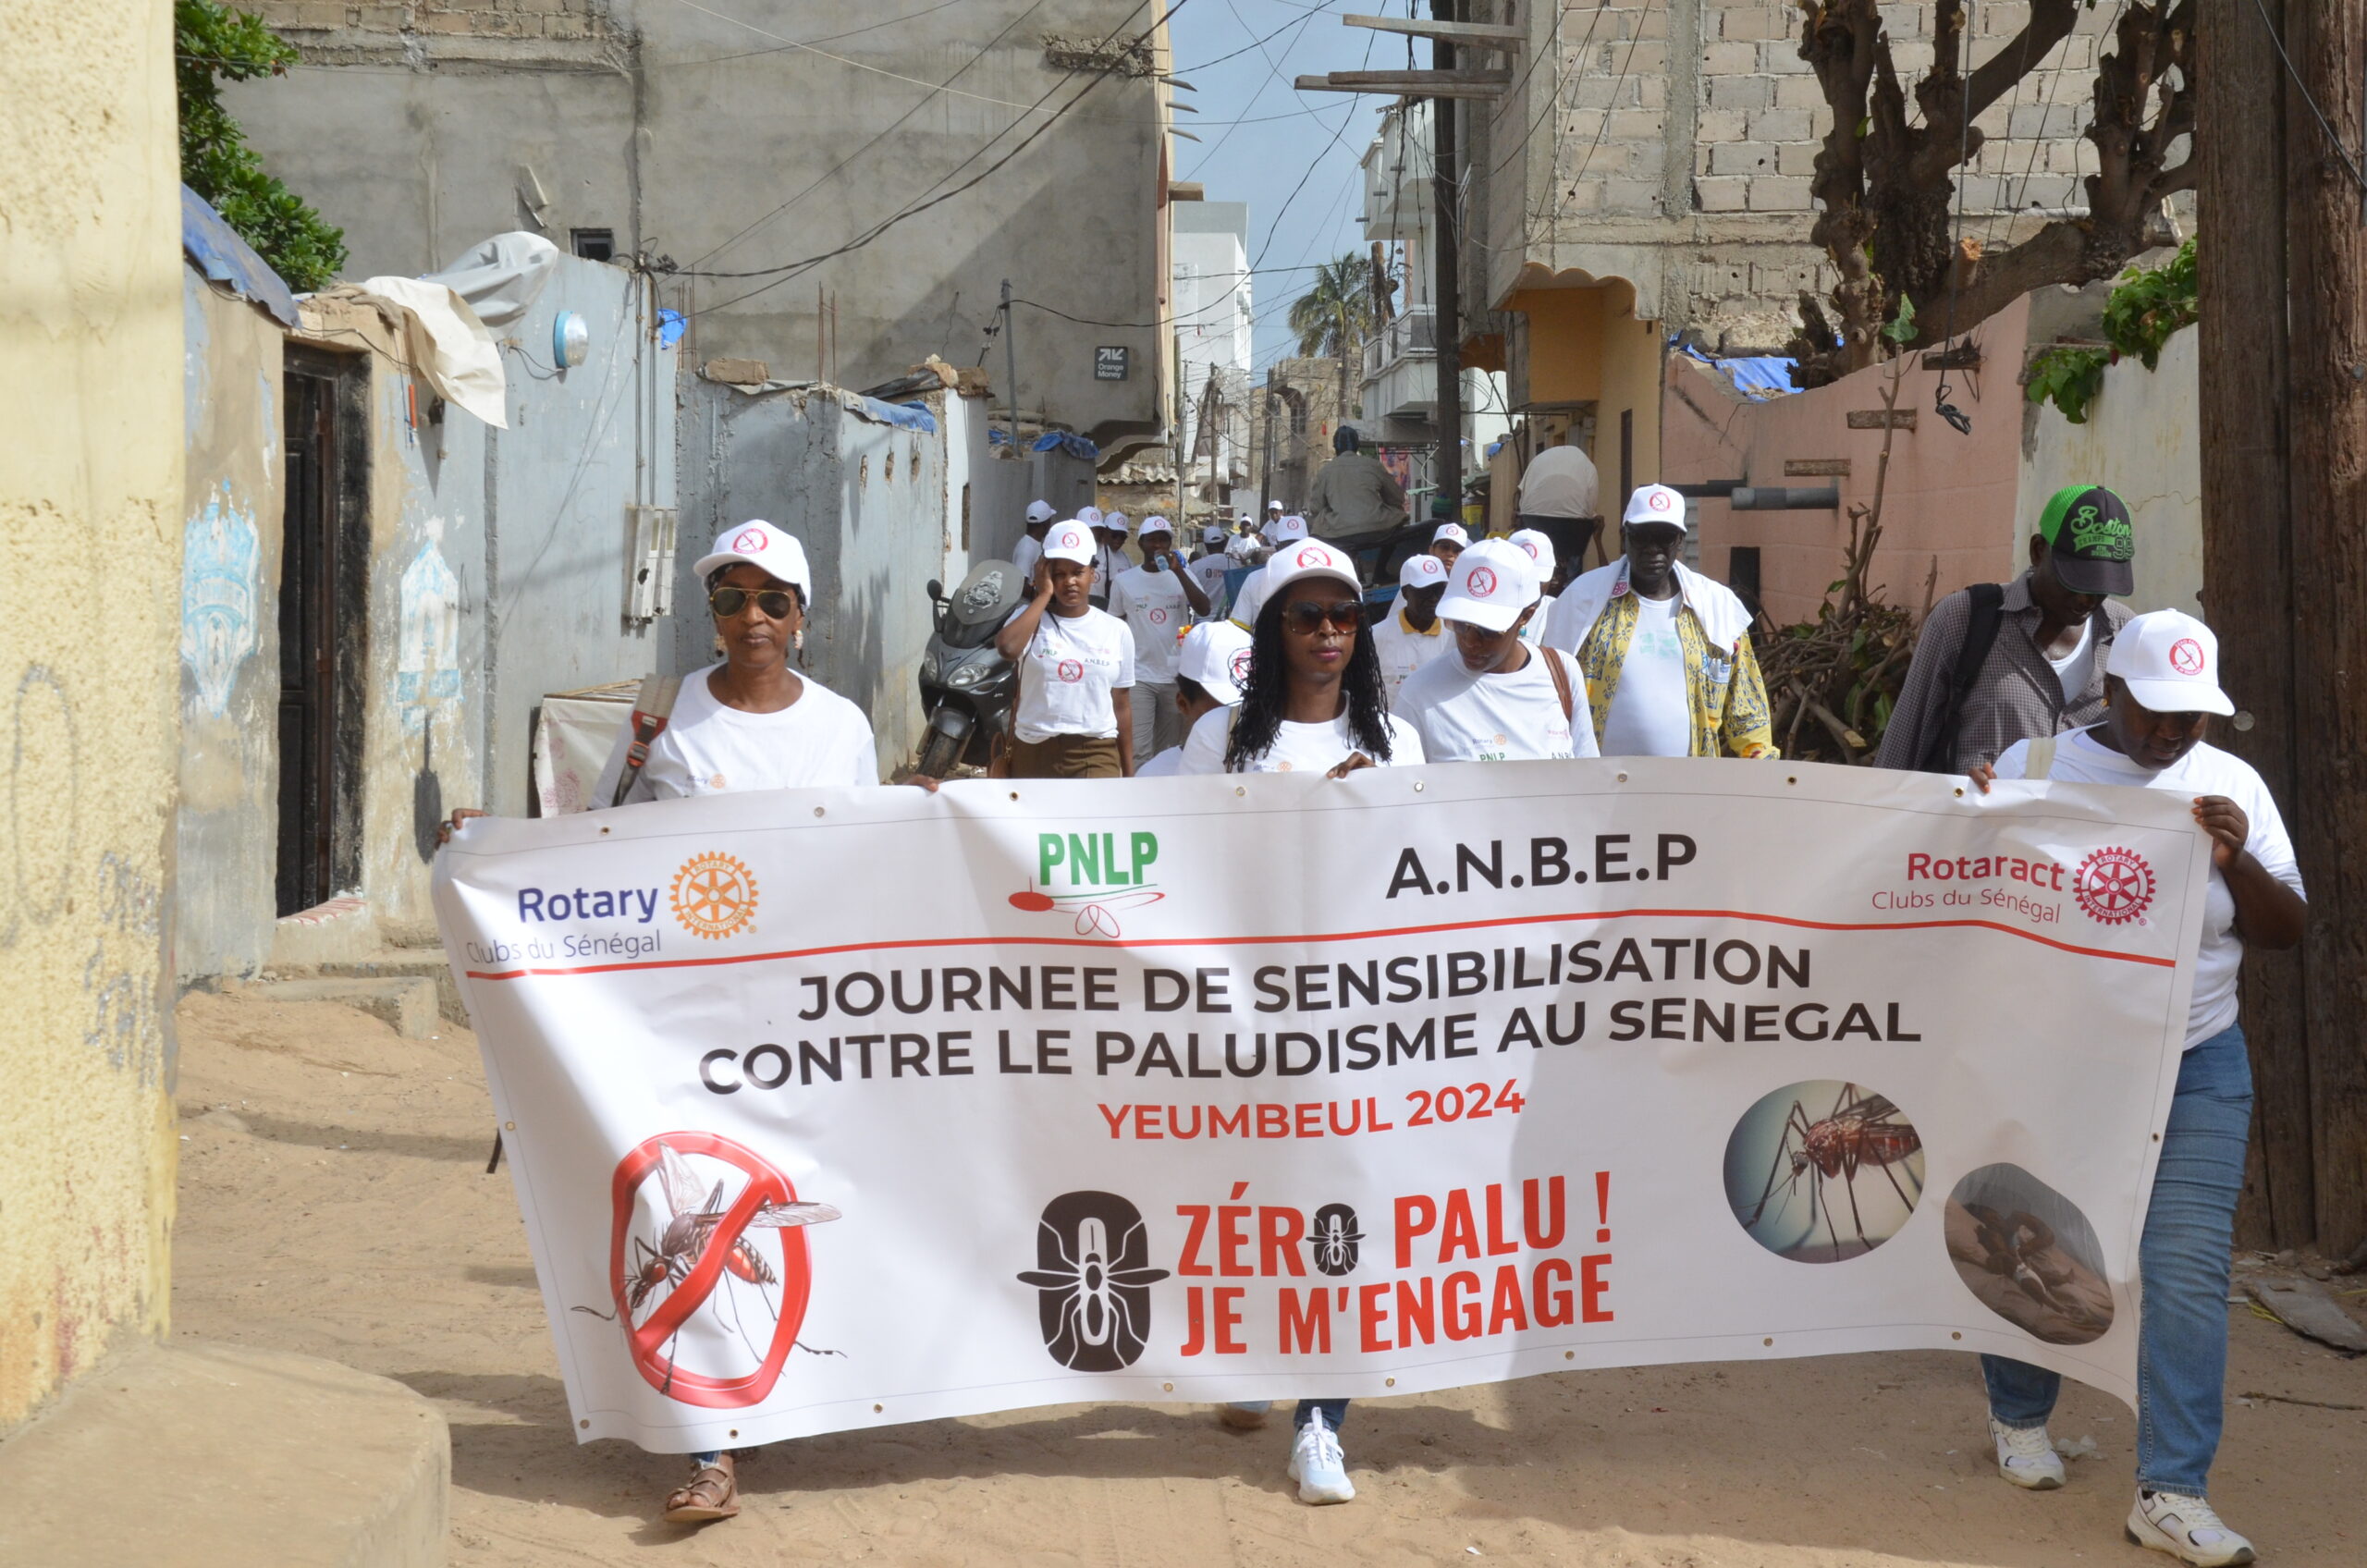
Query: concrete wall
(227, 827)
(1950, 514)
(583, 445)
(423, 126)
(2143, 439)
(91, 509)
(867, 500)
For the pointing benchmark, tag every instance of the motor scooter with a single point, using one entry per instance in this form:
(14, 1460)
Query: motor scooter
(966, 685)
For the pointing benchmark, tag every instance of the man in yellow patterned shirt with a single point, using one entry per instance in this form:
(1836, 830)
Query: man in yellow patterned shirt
(1666, 652)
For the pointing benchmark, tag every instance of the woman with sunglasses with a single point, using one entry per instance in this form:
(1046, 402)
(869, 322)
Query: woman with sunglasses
(1074, 717)
(1312, 704)
(752, 722)
(1314, 701)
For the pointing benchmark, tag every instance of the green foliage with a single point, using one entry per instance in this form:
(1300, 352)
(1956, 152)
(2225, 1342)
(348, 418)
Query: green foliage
(1335, 315)
(213, 44)
(2144, 313)
(1901, 330)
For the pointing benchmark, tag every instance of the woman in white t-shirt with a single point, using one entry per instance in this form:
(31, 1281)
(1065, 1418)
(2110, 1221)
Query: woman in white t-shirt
(1074, 717)
(1314, 702)
(2159, 683)
(1495, 697)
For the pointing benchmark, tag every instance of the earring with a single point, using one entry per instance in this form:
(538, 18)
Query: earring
(797, 639)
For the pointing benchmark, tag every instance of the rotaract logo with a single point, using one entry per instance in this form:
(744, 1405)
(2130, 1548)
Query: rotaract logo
(714, 895)
(2114, 886)
(1482, 583)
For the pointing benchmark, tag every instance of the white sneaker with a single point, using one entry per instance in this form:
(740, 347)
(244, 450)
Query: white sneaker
(1319, 1468)
(2026, 1456)
(2187, 1528)
(1245, 1415)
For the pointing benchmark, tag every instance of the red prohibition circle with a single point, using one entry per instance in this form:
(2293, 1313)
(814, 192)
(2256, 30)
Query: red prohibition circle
(1482, 583)
(1156, 616)
(1070, 670)
(1241, 667)
(1311, 555)
(2186, 656)
(749, 542)
(648, 1339)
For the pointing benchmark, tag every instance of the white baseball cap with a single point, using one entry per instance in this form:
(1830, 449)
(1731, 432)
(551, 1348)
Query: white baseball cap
(1212, 534)
(1288, 529)
(1539, 548)
(1114, 521)
(1216, 654)
(1090, 516)
(1453, 532)
(1273, 506)
(1040, 511)
(1655, 503)
(2170, 662)
(1250, 600)
(760, 543)
(1491, 583)
(1421, 571)
(1308, 557)
(1072, 541)
(1157, 524)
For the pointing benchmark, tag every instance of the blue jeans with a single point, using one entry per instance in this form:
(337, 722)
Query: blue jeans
(1333, 1411)
(2182, 1269)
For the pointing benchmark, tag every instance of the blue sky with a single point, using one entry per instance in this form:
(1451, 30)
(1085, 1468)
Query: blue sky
(1291, 155)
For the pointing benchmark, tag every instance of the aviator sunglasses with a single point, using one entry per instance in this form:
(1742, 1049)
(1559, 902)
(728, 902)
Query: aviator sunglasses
(773, 604)
(1306, 617)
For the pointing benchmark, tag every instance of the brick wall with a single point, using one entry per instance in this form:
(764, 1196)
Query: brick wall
(476, 18)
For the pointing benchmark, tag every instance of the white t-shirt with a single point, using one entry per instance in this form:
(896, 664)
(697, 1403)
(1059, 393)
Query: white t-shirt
(1025, 554)
(1466, 717)
(709, 749)
(1651, 713)
(1297, 748)
(2075, 668)
(1154, 605)
(1109, 563)
(1208, 572)
(1558, 482)
(1403, 650)
(1068, 672)
(1167, 765)
(2206, 771)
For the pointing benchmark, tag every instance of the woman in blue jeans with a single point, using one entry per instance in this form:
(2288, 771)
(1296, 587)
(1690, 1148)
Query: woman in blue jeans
(2162, 682)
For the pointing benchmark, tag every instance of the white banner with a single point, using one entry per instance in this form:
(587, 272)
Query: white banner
(834, 1109)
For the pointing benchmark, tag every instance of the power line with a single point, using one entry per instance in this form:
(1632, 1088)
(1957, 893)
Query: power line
(862, 66)
(2295, 77)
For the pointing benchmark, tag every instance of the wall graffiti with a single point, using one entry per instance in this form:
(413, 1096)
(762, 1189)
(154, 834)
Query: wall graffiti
(45, 763)
(120, 974)
(221, 581)
(427, 662)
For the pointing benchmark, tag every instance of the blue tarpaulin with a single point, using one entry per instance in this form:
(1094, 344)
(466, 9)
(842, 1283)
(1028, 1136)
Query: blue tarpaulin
(1074, 444)
(908, 416)
(221, 256)
(1756, 376)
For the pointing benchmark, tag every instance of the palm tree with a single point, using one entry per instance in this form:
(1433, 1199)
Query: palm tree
(1335, 315)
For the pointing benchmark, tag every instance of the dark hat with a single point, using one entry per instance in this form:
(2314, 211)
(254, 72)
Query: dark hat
(2088, 530)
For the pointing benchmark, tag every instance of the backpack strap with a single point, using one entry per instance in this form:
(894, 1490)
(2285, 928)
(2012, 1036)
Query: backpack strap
(2037, 762)
(1561, 684)
(651, 708)
(1979, 636)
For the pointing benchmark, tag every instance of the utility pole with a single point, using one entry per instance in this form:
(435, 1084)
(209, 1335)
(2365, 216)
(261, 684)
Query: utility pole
(1183, 409)
(2282, 262)
(2248, 544)
(1447, 323)
(2325, 241)
(1010, 366)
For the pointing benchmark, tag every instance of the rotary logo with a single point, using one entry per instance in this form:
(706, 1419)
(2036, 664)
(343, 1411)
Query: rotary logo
(1482, 583)
(2186, 656)
(2114, 886)
(714, 895)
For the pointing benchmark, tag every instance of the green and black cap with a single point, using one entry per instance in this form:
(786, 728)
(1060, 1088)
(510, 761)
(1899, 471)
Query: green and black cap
(2087, 528)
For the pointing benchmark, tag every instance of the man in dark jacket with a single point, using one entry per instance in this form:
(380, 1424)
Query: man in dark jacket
(1354, 495)
(1999, 663)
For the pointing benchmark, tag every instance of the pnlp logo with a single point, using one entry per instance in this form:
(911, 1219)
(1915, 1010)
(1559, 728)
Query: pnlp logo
(1094, 860)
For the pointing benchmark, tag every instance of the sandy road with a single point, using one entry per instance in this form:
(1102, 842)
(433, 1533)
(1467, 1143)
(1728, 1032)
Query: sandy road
(333, 1201)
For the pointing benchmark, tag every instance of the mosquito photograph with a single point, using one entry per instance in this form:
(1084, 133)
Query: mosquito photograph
(2030, 1254)
(1823, 1172)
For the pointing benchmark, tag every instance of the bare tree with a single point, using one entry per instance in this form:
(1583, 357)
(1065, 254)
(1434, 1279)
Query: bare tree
(1885, 177)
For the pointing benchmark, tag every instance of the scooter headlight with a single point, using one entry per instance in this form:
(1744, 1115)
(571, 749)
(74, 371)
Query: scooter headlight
(967, 675)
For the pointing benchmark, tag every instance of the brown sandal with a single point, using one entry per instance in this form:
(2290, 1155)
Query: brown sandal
(713, 1493)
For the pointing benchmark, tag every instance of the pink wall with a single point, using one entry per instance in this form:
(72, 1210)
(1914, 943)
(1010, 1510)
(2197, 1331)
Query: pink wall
(1950, 498)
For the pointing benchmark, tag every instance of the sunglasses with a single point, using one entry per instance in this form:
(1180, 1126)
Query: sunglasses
(773, 604)
(1306, 617)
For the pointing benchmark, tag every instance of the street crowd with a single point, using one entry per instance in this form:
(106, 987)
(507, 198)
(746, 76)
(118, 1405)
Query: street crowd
(1495, 650)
